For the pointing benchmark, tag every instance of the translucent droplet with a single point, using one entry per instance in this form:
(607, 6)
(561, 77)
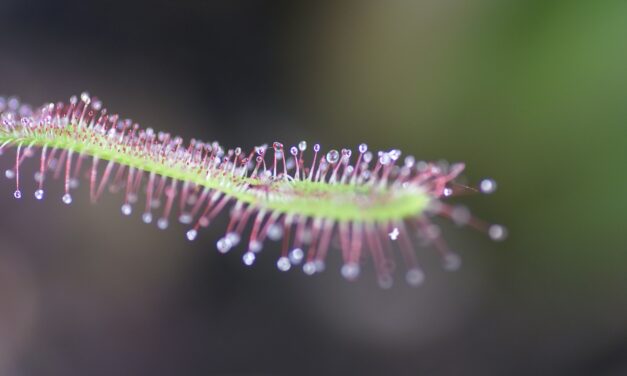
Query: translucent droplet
(302, 146)
(185, 218)
(67, 199)
(10, 174)
(39, 194)
(451, 262)
(385, 281)
(162, 223)
(487, 186)
(96, 104)
(309, 268)
(394, 234)
(414, 277)
(497, 232)
(394, 154)
(248, 258)
(85, 97)
(147, 217)
(233, 238)
(460, 215)
(223, 245)
(203, 221)
(319, 265)
(17, 194)
(333, 156)
(367, 157)
(293, 150)
(350, 271)
(191, 234)
(316, 147)
(283, 263)
(447, 192)
(255, 246)
(296, 256)
(385, 159)
(363, 148)
(275, 232)
(127, 209)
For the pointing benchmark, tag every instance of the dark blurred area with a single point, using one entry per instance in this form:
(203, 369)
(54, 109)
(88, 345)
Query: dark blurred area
(531, 93)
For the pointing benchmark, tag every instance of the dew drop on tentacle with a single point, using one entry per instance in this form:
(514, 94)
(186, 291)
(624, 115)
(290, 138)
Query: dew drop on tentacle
(451, 261)
(487, 186)
(67, 199)
(283, 263)
(223, 245)
(460, 215)
(127, 209)
(497, 232)
(296, 256)
(185, 218)
(17, 194)
(191, 234)
(248, 258)
(162, 223)
(385, 281)
(39, 194)
(414, 277)
(384, 158)
(147, 217)
(350, 271)
(275, 232)
(255, 246)
(333, 156)
(309, 268)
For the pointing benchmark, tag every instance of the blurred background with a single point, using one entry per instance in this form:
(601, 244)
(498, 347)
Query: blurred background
(529, 92)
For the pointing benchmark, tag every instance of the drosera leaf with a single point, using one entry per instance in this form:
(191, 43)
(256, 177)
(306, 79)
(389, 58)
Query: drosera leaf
(371, 204)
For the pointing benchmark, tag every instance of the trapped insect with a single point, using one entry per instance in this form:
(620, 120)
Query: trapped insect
(373, 204)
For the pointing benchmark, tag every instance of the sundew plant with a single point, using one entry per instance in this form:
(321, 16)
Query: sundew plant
(374, 206)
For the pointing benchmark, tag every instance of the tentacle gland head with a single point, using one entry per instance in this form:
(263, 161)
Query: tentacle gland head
(364, 205)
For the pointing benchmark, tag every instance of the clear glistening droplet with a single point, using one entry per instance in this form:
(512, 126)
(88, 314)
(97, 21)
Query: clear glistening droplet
(248, 258)
(497, 232)
(147, 217)
(333, 156)
(162, 223)
(67, 199)
(283, 263)
(414, 277)
(350, 271)
(487, 186)
(309, 268)
(126, 209)
(191, 234)
(296, 256)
